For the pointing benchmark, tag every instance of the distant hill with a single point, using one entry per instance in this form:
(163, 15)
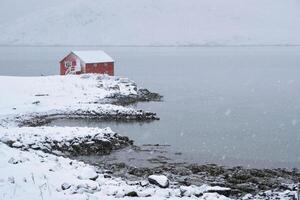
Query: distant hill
(150, 22)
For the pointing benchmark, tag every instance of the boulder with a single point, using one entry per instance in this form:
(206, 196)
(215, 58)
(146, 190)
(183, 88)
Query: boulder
(159, 180)
(65, 186)
(132, 194)
(17, 144)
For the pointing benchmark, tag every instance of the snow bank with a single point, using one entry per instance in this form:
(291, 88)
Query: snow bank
(23, 94)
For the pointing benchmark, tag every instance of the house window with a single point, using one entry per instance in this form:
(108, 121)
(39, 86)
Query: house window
(68, 64)
(105, 64)
(95, 65)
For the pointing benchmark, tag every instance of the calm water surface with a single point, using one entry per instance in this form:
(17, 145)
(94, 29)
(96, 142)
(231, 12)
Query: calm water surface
(228, 105)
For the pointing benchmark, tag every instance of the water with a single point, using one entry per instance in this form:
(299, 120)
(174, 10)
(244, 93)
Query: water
(228, 105)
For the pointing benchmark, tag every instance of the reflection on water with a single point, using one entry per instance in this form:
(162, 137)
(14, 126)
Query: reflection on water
(226, 103)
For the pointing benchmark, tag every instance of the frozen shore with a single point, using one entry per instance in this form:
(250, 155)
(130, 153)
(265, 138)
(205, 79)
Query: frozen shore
(30, 162)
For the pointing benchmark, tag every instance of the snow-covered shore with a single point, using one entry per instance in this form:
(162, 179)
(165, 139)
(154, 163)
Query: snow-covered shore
(26, 173)
(65, 140)
(30, 165)
(25, 98)
(36, 175)
(35, 101)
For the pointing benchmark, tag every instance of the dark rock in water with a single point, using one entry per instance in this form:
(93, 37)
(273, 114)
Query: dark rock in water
(65, 186)
(132, 194)
(159, 180)
(146, 95)
(141, 96)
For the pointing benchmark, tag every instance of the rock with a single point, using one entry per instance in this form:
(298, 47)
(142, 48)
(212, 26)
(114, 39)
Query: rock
(41, 95)
(132, 194)
(36, 102)
(144, 183)
(17, 144)
(88, 173)
(11, 179)
(106, 176)
(220, 190)
(13, 161)
(159, 180)
(65, 186)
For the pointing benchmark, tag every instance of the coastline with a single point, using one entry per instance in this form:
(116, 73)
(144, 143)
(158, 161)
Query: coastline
(88, 96)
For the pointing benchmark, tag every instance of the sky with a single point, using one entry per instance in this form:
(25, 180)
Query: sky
(150, 22)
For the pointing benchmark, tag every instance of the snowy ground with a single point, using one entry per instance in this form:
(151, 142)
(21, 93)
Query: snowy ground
(27, 97)
(26, 173)
(45, 93)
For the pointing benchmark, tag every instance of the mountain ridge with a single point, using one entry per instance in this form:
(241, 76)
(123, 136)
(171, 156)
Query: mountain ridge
(157, 23)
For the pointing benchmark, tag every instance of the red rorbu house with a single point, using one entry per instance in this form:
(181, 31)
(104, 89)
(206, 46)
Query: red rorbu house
(81, 62)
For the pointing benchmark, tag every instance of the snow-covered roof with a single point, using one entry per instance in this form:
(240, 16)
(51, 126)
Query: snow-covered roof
(93, 56)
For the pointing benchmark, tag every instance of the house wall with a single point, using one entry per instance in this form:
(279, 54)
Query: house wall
(70, 58)
(100, 68)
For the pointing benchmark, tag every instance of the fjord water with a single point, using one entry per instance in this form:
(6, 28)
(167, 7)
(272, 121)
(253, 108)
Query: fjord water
(227, 105)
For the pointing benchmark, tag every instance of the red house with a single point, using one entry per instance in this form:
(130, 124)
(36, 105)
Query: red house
(80, 62)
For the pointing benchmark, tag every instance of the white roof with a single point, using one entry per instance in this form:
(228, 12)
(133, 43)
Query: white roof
(93, 56)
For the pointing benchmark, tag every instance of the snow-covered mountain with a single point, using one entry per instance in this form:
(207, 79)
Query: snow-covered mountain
(150, 22)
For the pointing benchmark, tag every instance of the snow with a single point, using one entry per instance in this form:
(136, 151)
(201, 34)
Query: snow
(160, 180)
(37, 175)
(93, 56)
(156, 22)
(42, 136)
(87, 173)
(25, 96)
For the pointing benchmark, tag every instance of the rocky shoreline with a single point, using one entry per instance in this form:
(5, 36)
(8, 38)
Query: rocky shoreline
(23, 130)
(42, 120)
(78, 146)
(240, 181)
